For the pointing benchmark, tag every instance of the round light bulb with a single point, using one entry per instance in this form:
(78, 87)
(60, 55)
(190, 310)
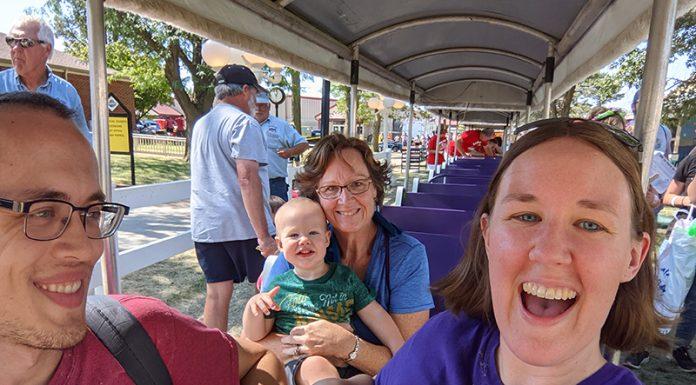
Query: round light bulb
(215, 54)
(375, 103)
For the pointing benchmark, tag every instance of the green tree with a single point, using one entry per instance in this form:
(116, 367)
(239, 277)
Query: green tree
(627, 71)
(178, 53)
(150, 86)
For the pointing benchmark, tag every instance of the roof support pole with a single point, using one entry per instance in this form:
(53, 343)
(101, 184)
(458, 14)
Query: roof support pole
(353, 118)
(325, 107)
(548, 79)
(436, 165)
(528, 110)
(412, 101)
(456, 135)
(98, 90)
(449, 124)
(385, 131)
(654, 76)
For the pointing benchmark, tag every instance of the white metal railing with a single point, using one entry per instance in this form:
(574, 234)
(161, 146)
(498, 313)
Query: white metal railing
(159, 145)
(142, 256)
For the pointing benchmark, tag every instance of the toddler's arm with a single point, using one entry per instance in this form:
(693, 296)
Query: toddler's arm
(255, 326)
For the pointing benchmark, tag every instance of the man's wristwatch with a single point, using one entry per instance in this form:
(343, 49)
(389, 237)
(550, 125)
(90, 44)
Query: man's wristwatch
(354, 354)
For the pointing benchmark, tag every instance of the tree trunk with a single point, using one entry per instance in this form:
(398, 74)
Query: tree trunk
(375, 133)
(296, 101)
(567, 101)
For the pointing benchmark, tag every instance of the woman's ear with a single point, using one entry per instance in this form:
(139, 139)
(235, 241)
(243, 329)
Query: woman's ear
(639, 251)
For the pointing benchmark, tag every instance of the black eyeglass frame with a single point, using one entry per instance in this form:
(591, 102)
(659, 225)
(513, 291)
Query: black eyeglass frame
(24, 207)
(622, 136)
(367, 180)
(23, 42)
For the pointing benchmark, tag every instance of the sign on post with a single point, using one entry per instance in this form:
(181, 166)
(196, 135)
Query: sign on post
(121, 132)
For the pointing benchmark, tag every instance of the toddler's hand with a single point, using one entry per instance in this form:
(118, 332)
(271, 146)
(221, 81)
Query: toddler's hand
(264, 303)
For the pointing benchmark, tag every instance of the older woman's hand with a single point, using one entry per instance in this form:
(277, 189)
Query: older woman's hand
(321, 338)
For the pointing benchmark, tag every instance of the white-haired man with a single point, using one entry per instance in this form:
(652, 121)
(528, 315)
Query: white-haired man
(31, 45)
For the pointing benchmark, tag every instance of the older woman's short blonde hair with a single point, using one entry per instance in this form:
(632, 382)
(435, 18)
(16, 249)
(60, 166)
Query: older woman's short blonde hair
(632, 322)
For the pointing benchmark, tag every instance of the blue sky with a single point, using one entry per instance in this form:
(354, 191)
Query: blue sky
(15, 8)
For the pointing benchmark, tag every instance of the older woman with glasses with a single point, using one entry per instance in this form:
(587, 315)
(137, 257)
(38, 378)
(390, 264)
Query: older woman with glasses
(343, 176)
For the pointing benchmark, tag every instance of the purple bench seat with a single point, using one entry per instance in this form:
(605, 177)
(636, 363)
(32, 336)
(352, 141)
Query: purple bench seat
(469, 179)
(467, 202)
(453, 189)
(428, 220)
(444, 252)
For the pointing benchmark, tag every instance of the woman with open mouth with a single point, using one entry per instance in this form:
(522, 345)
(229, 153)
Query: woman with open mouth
(558, 266)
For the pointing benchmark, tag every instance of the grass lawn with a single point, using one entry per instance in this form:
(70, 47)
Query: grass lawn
(148, 169)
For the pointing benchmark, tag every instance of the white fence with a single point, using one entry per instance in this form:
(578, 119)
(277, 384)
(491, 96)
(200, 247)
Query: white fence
(142, 256)
(159, 145)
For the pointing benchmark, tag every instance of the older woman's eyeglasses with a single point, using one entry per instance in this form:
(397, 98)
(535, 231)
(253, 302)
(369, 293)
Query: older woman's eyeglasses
(47, 219)
(621, 135)
(23, 42)
(355, 187)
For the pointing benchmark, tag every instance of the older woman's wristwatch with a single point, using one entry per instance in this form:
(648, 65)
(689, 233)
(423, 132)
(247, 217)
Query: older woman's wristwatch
(354, 354)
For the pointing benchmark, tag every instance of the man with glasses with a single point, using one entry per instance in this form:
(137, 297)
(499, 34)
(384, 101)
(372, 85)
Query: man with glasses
(283, 142)
(231, 223)
(53, 221)
(31, 45)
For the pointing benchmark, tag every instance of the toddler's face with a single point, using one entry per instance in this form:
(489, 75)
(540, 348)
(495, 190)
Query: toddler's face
(302, 235)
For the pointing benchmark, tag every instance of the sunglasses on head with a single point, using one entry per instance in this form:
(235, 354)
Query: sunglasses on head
(621, 135)
(23, 42)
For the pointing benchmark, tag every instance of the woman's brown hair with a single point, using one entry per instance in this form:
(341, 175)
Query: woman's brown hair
(632, 322)
(331, 147)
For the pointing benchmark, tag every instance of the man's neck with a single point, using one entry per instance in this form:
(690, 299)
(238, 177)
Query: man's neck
(35, 79)
(25, 365)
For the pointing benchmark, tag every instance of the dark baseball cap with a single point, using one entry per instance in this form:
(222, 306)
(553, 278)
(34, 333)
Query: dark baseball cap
(237, 74)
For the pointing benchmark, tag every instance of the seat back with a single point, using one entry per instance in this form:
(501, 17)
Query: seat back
(443, 201)
(444, 253)
(428, 220)
(453, 189)
(469, 179)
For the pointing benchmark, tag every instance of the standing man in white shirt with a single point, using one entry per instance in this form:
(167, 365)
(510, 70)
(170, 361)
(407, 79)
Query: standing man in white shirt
(231, 223)
(283, 142)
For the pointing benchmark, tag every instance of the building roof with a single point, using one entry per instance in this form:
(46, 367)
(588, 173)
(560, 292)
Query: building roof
(165, 110)
(60, 60)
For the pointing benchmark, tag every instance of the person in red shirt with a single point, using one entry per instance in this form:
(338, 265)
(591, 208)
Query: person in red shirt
(473, 142)
(47, 255)
(432, 144)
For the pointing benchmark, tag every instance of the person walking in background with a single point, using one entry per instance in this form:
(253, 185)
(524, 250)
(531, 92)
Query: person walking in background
(231, 222)
(31, 45)
(283, 142)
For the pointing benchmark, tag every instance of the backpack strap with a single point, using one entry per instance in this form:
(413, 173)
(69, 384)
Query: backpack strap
(127, 341)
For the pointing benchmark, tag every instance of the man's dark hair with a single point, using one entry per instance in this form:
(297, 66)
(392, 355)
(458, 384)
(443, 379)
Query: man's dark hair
(36, 101)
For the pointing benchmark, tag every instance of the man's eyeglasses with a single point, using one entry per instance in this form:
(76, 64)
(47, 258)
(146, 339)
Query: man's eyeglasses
(23, 42)
(47, 219)
(355, 187)
(621, 135)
